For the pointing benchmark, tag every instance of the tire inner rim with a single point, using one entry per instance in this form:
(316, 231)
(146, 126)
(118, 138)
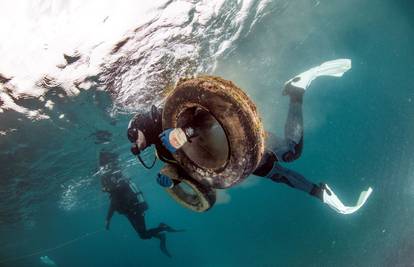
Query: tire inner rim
(186, 193)
(210, 147)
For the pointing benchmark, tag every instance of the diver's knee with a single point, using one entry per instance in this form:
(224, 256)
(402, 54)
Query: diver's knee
(291, 156)
(294, 152)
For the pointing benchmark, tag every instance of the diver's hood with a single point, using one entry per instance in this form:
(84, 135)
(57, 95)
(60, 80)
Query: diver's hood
(150, 123)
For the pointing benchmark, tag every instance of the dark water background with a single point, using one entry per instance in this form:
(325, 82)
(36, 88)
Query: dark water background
(358, 132)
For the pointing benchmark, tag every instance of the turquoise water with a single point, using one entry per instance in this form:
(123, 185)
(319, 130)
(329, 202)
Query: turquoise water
(358, 132)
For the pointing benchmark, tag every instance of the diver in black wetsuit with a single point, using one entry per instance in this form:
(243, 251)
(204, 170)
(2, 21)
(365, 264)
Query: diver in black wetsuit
(127, 200)
(146, 129)
(143, 131)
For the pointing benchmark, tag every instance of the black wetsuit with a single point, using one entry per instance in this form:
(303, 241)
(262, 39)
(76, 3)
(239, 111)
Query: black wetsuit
(128, 200)
(288, 149)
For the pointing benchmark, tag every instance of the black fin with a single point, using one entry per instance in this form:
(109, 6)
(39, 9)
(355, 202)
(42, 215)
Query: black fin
(163, 245)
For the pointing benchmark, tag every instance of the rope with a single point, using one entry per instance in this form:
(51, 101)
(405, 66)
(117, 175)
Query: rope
(64, 244)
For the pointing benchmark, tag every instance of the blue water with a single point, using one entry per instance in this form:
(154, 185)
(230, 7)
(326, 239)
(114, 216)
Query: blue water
(358, 132)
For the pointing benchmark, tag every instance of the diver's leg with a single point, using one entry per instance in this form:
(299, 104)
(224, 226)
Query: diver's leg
(165, 227)
(270, 169)
(157, 233)
(137, 221)
(294, 121)
(322, 191)
(297, 86)
(290, 148)
(156, 230)
(293, 179)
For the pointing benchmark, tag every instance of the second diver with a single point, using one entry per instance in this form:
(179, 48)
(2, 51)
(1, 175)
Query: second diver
(128, 200)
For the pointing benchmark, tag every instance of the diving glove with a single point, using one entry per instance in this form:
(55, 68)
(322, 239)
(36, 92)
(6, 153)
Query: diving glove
(329, 197)
(165, 181)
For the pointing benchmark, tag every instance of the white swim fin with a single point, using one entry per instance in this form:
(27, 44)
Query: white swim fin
(335, 203)
(334, 68)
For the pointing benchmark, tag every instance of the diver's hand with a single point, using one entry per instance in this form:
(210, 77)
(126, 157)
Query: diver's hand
(107, 225)
(164, 181)
(173, 139)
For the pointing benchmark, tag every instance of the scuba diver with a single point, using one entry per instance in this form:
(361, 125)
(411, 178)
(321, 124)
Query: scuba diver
(146, 129)
(143, 131)
(128, 200)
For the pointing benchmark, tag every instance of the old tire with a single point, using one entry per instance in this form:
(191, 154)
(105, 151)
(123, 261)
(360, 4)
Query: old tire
(234, 112)
(189, 193)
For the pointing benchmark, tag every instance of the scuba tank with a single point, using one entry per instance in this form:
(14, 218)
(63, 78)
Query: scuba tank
(142, 204)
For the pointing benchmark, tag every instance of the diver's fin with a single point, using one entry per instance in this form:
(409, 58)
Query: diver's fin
(334, 68)
(163, 245)
(336, 204)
